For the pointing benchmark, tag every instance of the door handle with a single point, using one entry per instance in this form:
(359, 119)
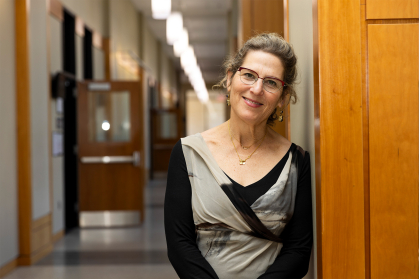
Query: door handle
(135, 159)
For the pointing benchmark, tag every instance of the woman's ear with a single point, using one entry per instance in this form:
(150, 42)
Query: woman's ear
(229, 77)
(283, 102)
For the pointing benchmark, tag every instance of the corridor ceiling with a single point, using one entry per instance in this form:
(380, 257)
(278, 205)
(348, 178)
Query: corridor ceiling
(207, 24)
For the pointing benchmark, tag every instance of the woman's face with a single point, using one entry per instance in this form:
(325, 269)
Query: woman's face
(252, 103)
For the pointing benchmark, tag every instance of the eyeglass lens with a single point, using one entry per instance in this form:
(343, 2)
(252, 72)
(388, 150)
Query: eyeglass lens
(250, 77)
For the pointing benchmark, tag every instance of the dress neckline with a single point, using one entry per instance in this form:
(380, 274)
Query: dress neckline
(274, 169)
(215, 162)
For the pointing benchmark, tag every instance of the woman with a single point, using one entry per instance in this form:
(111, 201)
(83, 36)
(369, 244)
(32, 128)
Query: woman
(238, 197)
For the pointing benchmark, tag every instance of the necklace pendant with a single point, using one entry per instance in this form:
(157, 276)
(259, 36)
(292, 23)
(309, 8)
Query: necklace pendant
(242, 162)
(244, 147)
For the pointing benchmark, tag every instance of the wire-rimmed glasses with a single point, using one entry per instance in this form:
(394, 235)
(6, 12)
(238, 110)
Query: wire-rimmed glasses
(270, 84)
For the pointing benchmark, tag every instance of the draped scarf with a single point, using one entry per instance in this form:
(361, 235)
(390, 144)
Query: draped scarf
(237, 239)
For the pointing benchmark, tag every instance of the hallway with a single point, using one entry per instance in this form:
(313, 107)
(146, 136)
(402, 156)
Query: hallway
(136, 252)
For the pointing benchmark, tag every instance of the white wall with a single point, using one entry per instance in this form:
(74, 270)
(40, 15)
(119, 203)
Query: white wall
(79, 57)
(98, 64)
(124, 31)
(94, 13)
(56, 65)
(149, 54)
(201, 117)
(302, 114)
(39, 98)
(9, 247)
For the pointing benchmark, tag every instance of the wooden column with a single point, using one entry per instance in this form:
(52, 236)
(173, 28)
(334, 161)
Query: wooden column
(367, 137)
(339, 142)
(23, 127)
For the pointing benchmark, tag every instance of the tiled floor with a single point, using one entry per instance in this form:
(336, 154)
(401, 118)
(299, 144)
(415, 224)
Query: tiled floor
(137, 252)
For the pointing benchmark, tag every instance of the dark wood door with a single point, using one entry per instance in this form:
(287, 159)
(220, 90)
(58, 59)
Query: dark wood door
(110, 150)
(166, 130)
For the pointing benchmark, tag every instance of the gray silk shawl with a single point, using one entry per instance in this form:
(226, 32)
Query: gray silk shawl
(223, 236)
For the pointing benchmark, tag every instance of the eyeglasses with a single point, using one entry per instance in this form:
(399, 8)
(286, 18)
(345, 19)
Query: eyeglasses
(270, 84)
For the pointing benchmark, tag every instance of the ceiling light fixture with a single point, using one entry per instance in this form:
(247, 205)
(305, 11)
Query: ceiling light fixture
(182, 43)
(188, 58)
(161, 8)
(174, 27)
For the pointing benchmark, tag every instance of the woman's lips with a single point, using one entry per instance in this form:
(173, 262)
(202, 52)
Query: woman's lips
(252, 103)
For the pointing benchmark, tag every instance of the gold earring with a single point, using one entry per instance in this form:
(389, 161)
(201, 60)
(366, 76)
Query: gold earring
(280, 117)
(228, 99)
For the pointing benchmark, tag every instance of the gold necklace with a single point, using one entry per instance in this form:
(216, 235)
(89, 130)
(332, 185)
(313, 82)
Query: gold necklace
(243, 162)
(246, 147)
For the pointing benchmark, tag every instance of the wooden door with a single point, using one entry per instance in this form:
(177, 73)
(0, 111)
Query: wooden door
(367, 117)
(166, 129)
(110, 150)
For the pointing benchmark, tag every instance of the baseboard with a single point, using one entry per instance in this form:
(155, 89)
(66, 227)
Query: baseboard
(41, 241)
(7, 268)
(35, 256)
(57, 236)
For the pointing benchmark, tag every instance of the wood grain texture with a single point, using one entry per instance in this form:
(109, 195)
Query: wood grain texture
(23, 125)
(268, 16)
(41, 222)
(382, 9)
(106, 43)
(393, 130)
(391, 21)
(339, 110)
(7, 268)
(41, 237)
(286, 21)
(365, 133)
(317, 140)
(245, 22)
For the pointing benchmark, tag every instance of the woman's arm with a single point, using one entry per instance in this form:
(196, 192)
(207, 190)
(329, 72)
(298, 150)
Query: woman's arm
(293, 260)
(183, 251)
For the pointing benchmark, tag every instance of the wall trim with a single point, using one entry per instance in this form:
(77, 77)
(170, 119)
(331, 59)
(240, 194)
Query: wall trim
(57, 236)
(35, 257)
(97, 40)
(79, 26)
(106, 43)
(55, 9)
(7, 268)
(40, 222)
(23, 126)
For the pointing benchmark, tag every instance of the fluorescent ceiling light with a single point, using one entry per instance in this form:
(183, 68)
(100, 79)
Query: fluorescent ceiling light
(190, 69)
(161, 8)
(188, 58)
(182, 43)
(174, 27)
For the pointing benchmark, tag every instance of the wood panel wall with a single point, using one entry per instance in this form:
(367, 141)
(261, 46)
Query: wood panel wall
(338, 109)
(385, 9)
(366, 68)
(393, 149)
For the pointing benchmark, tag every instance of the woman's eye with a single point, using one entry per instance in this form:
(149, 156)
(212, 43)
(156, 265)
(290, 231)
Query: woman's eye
(271, 83)
(249, 75)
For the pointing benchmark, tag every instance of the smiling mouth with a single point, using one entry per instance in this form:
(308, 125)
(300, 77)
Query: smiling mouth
(252, 102)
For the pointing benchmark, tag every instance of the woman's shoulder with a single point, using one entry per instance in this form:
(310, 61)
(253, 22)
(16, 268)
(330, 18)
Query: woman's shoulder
(214, 136)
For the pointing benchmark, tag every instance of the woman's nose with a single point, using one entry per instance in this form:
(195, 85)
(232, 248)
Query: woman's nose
(257, 87)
